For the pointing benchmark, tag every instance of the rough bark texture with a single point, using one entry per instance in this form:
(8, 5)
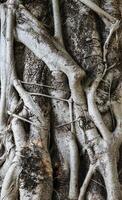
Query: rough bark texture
(61, 100)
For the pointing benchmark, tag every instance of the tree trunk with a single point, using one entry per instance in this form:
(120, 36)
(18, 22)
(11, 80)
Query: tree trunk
(61, 100)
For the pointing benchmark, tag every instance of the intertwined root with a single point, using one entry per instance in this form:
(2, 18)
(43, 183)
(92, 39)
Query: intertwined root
(101, 144)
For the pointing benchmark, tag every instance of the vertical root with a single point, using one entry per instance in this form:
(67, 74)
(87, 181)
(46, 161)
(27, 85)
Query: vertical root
(108, 169)
(86, 182)
(74, 159)
(3, 70)
(10, 182)
(74, 169)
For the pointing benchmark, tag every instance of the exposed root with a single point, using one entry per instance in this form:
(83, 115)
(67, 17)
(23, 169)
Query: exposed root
(10, 183)
(74, 159)
(102, 150)
(48, 96)
(3, 72)
(96, 116)
(57, 21)
(19, 117)
(113, 28)
(117, 109)
(99, 11)
(73, 149)
(86, 182)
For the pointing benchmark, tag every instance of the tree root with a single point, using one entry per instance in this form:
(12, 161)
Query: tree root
(88, 177)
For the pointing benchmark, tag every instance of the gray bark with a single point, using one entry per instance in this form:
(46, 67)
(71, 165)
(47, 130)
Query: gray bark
(60, 109)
